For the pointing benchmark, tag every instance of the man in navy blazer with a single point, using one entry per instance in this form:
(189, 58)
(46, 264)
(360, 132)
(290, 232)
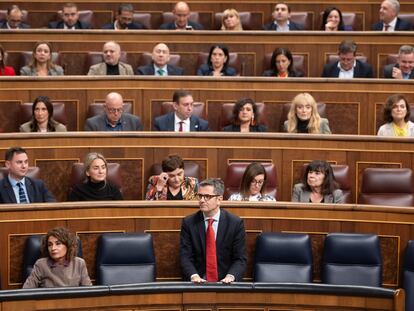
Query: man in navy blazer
(114, 118)
(70, 19)
(16, 187)
(348, 66)
(14, 19)
(159, 65)
(404, 68)
(389, 20)
(230, 238)
(281, 22)
(124, 19)
(182, 14)
(181, 120)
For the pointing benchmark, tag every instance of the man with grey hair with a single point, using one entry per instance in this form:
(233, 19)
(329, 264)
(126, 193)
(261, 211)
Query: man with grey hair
(212, 241)
(14, 19)
(403, 69)
(111, 66)
(389, 20)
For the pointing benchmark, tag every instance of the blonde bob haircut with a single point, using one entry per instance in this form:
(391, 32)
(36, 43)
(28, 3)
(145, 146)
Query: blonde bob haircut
(315, 119)
(227, 13)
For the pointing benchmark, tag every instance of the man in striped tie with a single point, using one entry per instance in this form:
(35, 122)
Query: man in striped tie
(212, 241)
(16, 187)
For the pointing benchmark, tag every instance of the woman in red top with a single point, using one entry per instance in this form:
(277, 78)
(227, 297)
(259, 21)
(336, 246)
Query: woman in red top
(5, 70)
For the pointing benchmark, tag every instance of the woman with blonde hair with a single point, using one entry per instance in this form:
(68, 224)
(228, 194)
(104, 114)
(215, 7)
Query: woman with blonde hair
(231, 20)
(41, 63)
(303, 116)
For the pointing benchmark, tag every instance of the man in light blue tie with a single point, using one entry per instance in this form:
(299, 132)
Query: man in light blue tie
(404, 68)
(16, 187)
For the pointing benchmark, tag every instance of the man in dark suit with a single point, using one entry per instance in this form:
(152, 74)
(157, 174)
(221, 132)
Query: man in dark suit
(389, 20)
(182, 14)
(16, 187)
(124, 19)
(348, 66)
(159, 65)
(70, 19)
(14, 19)
(181, 120)
(281, 22)
(404, 68)
(212, 241)
(114, 118)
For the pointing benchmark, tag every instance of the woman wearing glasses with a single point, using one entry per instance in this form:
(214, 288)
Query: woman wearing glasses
(253, 185)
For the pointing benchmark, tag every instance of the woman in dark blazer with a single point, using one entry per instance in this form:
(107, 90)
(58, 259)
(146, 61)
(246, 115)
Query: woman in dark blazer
(281, 65)
(217, 63)
(245, 118)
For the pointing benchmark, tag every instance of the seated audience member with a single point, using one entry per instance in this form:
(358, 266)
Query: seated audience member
(332, 20)
(253, 185)
(231, 20)
(303, 116)
(111, 66)
(14, 19)
(70, 19)
(159, 65)
(59, 266)
(41, 63)
(95, 187)
(318, 185)
(114, 118)
(217, 63)
(5, 70)
(245, 118)
(389, 20)
(182, 119)
(171, 184)
(124, 19)
(220, 254)
(16, 187)
(348, 66)
(42, 118)
(281, 65)
(181, 19)
(403, 69)
(396, 114)
(281, 22)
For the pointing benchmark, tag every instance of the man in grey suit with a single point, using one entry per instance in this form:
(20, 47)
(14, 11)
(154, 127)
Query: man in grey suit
(181, 120)
(159, 65)
(404, 68)
(111, 66)
(114, 118)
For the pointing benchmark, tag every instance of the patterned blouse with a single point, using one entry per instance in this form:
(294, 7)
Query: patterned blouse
(189, 188)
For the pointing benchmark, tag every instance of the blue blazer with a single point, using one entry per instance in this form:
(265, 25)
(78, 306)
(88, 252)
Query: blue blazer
(166, 123)
(206, 70)
(292, 26)
(400, 25)
(60, 24)
(35, 188)
(171, 26)
(230, 246)
(361, 70)
(149, 70)
(130, 26)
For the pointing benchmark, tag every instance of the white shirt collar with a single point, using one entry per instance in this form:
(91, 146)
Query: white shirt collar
(186, 123)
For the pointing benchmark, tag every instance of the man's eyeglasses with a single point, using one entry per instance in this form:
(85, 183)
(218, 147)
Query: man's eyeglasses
(257, 182)
(115, 110)
(206, 197)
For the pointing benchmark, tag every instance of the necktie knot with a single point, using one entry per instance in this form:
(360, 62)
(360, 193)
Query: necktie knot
(160, 72)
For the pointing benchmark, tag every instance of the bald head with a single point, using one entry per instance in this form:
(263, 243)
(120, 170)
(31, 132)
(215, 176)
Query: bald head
(182, 13)
(113, 107)
(111, 52)
(161, 55)
(14, 17)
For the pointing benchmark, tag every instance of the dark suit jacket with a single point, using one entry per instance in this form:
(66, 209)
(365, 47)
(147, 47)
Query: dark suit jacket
(206, 70)
(230, 246)
(98, 123)
(166, 123)
(292, 26)
(130, 26)
(361, 70)
(3, 25)
(170, 26)
(36, 191)
(388, 71)
(149, 70)
(272, 73)
(400, 25)
(59, 25)
(236, 128)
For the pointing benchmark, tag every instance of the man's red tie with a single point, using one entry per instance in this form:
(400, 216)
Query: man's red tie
(386, 27)
(180, 129)
(211, 258)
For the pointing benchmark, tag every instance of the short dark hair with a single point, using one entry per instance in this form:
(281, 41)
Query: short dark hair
(172, 162)
(225, 51)
(276, 53)
(239, 105)
(284, 3)
(70, 5)
(388, 105)
(65, 237)
(12, 151)
(325, 16)
(252, 170)
(347, 46)
(125, 7)
(329, 184)
(179, 94)
(216, 183)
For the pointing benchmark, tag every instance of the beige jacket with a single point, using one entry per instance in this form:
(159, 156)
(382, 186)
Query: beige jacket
(100, 69)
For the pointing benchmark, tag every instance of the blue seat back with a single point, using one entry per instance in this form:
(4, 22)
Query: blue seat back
(408, 276)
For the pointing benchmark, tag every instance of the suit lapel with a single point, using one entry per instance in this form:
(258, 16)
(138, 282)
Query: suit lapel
(201, 229)
(29, 189)
(222, 225)
(170, 122)
(357, 70)
(9, 190)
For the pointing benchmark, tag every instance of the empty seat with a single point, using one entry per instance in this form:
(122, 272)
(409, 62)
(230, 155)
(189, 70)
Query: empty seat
(300, 63)
(125, 258)
(408, 17)
(233, 61)
(191, 169)
(143, 19)
(352, 259)
(95, 109)
(59, 113)
(285, 111)
(283, 257)
(304, 19)
(226, 115)
(387, 186)
(234, 174)
(408, 276)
